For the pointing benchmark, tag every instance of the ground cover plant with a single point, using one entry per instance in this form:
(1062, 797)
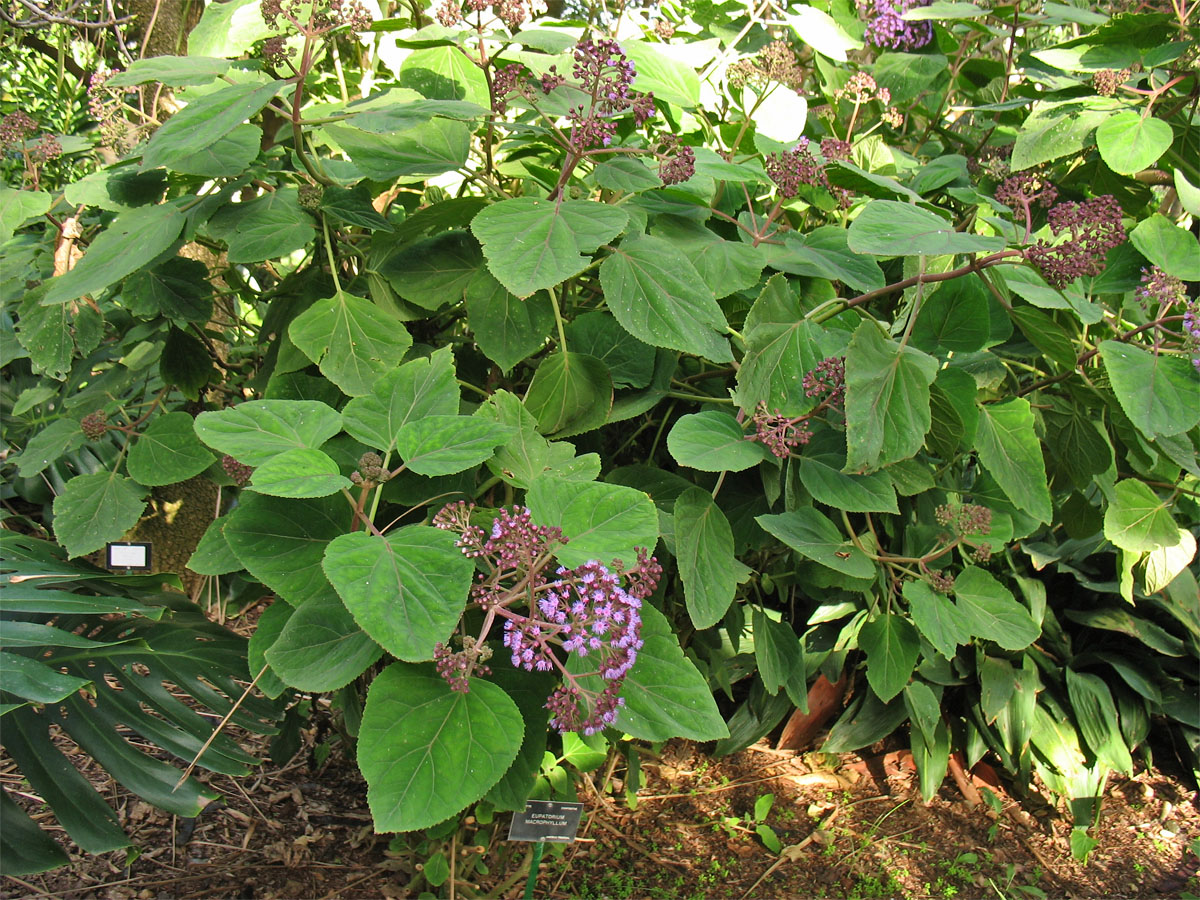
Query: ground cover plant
(573, 381)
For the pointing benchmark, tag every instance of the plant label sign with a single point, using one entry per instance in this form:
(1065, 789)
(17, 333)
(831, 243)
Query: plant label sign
(128, 555)
(546, 820)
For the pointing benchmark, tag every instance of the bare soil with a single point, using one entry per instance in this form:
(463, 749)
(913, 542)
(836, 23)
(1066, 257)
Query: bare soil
(849, 827)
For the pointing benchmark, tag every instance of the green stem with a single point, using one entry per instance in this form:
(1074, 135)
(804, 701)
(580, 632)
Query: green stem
(337, 284)
(534, 862)
(558, 321)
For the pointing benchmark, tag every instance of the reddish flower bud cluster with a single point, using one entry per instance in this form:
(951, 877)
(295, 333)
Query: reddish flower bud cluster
(969, 518)
(679, 167)
(583, 611)
(991, 162)
(603, 71)
(793, 168)
(1024, 189)
(15, 128)
(1095, 227)
(313, 17)
(1107, 81)
(239, 472)
(828, 379)
(511, 12)
(370, 470)
(862, 88)
(775, 63)
(780, 433)
(94, 425)
(941, 582)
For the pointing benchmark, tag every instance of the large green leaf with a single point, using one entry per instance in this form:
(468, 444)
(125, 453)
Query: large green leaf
(30, 679)
(321, 647)
(1159, 393)
(507, 328)
(177, 289)
(282, 542)
(954, 318)
(444, 73)
(630, 363)
(822, 32)
(892, 647)
(1130, 142)
(134, 239)
(533, 244)
(434, 148)
(257, 430)
(1058, 128)
(668, 78)
(990, 611)
(168, 451)
(887, 399)
(205, 121)
(1171, 248)
(443, 445)
(821, 473)
(427, 751)
(725, 266)
(407, 589)
(1009, 448)
(657, 295)
(267, 227)
(527, 456)
(176, 71)
(781, 346)
(779, 653)
(713, 441)
(812, 535)
(602, 521)
(24, 847)
(570, 393)
(18, 207)
(704, 551)
(1097, 717)
(419, 388)
(665, 695)
(892, 228)
(936, 617)
(299, 473)
(95, 509)
(436, 271)
(1137, 520)
(353, 340)
(825, 252)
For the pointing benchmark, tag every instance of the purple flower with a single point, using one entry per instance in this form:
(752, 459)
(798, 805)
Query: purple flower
(886, 28)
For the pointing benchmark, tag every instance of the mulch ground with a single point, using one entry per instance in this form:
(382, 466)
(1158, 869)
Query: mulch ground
(849, 827)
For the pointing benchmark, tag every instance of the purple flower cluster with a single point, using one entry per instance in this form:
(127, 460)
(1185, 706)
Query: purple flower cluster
(312, 18)
(679, 167)
(511, 12)
(1158, 289)
(969, 518)
(1095, 227)
(584, 612)
(602, 70)
(886, 28)
(1191, 331)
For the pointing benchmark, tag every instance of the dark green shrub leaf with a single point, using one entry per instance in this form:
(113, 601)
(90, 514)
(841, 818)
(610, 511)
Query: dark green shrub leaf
(299, 473)
(630, 363)
(812, 535)
(1097, 718)
(266, 227)
(1159, 393)
(427, 751)
(821, 472)
(887, 399)
(891, 228)
(954, 318)
(167, 452)
(95, 509)
(185, 363)
(601, 521)
(779, 654)
(532, 245)
(704, 551)
(419, 388)
(206, 120)
(1137, 520)
(713, 441)
(282, 542)
(1171, 248)
(257, 430)
(938, 619)
(177, 289)
(436, 271)
(1130, 142)
(892, 647)
(507, 328)
(657, 295)
(825, 252)
(24, 847)
(1009, 449)
(354, 341)
(570, 393)
(320, 647)
(426, 150)
(991, 612)
(443, 445)
(406, 590)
